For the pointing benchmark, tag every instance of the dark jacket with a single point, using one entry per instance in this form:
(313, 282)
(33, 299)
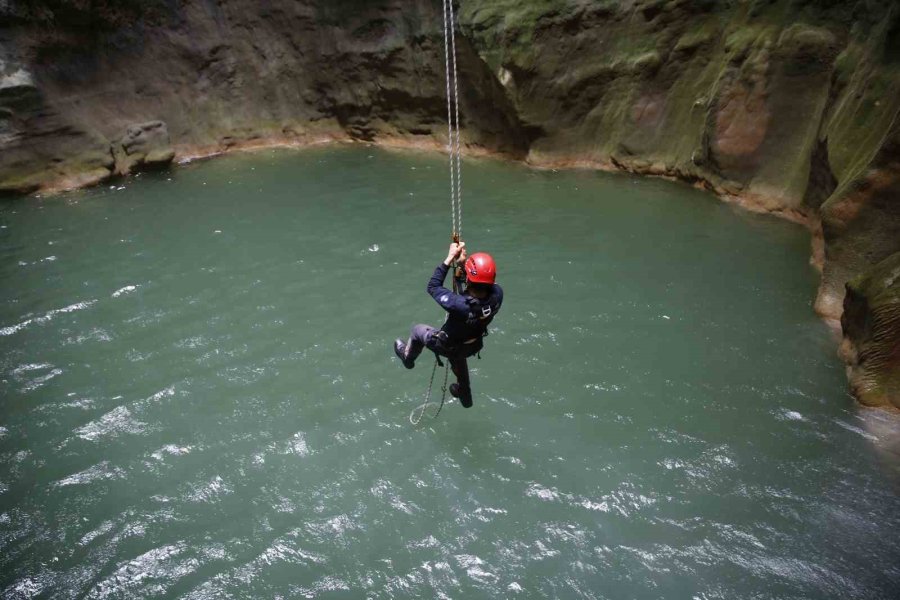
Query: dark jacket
(467, 317)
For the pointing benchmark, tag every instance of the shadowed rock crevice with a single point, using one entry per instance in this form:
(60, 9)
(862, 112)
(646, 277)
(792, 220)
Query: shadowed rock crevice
(822, 182)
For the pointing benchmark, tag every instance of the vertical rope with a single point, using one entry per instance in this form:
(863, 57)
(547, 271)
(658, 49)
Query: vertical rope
(450, 97)
(453, 149)
(456, 122)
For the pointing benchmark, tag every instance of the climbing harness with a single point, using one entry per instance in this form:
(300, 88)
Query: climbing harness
(454, 151)
(417, 413)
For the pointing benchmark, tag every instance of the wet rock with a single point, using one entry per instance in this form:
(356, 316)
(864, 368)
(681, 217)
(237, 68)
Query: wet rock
(806, 49)
(144, 146)
(742, 122)
(235, 73)
(39, 146)
(795, 110)
(860, 220)
(871, 324)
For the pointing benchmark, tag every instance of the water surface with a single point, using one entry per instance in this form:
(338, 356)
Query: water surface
(198, 397)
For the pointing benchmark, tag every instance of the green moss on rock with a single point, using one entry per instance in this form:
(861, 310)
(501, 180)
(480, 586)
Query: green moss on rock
(694, 40)
(646, 64)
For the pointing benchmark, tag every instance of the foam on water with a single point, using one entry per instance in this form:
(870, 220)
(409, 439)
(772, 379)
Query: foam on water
(124, 290)
(99, 472)
(46, 317)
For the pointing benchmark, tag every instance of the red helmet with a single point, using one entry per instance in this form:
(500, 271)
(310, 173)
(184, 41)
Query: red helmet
(480, 268)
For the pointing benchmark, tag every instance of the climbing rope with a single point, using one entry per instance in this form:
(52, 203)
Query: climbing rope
(455, 152)
(415, 418)
(454, 149)
(458, 228)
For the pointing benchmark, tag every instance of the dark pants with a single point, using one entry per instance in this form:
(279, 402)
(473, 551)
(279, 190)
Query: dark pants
(422, 336)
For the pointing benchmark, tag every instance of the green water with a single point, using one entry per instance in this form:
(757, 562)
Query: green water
(199, 398)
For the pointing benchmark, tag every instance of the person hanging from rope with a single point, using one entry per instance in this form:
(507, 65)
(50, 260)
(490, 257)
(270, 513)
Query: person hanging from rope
(468, 315)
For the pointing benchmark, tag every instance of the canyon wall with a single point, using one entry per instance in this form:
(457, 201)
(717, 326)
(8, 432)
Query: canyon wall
(786, 106)
(77, 76)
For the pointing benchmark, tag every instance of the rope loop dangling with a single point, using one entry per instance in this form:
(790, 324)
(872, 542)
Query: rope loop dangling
(415, 416)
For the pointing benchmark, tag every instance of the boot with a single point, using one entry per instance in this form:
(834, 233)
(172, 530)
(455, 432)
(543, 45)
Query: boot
(400, 351)
(455, 392)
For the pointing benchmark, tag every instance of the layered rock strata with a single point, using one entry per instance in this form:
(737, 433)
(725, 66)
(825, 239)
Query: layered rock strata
(871, 324)
(76, 78)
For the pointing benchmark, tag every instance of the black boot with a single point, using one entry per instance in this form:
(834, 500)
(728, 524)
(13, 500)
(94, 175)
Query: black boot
(400, 351)
(466, 400)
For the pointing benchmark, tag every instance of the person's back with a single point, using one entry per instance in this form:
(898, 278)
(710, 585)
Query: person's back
(468, 316)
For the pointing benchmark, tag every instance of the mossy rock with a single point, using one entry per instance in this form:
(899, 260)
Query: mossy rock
(846, 63)
(806, 48)
(742, 40)
(646, 64)
(693, 40)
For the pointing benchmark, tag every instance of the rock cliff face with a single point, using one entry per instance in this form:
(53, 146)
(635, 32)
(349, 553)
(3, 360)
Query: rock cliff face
(77, 77)
(871, 322)
(787, 106)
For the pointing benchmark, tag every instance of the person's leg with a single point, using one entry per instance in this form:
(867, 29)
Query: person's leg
(418, 339)
(461, 389)
(409, 352)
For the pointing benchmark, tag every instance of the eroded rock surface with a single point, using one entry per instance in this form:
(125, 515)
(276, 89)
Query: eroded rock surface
(144, 146)
(871, 323)
(77, 75)
(38, 144)
(790, 106)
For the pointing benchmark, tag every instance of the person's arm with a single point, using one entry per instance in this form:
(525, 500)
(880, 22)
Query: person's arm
(453, 303)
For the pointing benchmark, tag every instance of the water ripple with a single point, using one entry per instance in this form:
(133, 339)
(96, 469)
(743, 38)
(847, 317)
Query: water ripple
(103, 471)
(48, 316)
(112, 424)
(151, 573)
(227, 419)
